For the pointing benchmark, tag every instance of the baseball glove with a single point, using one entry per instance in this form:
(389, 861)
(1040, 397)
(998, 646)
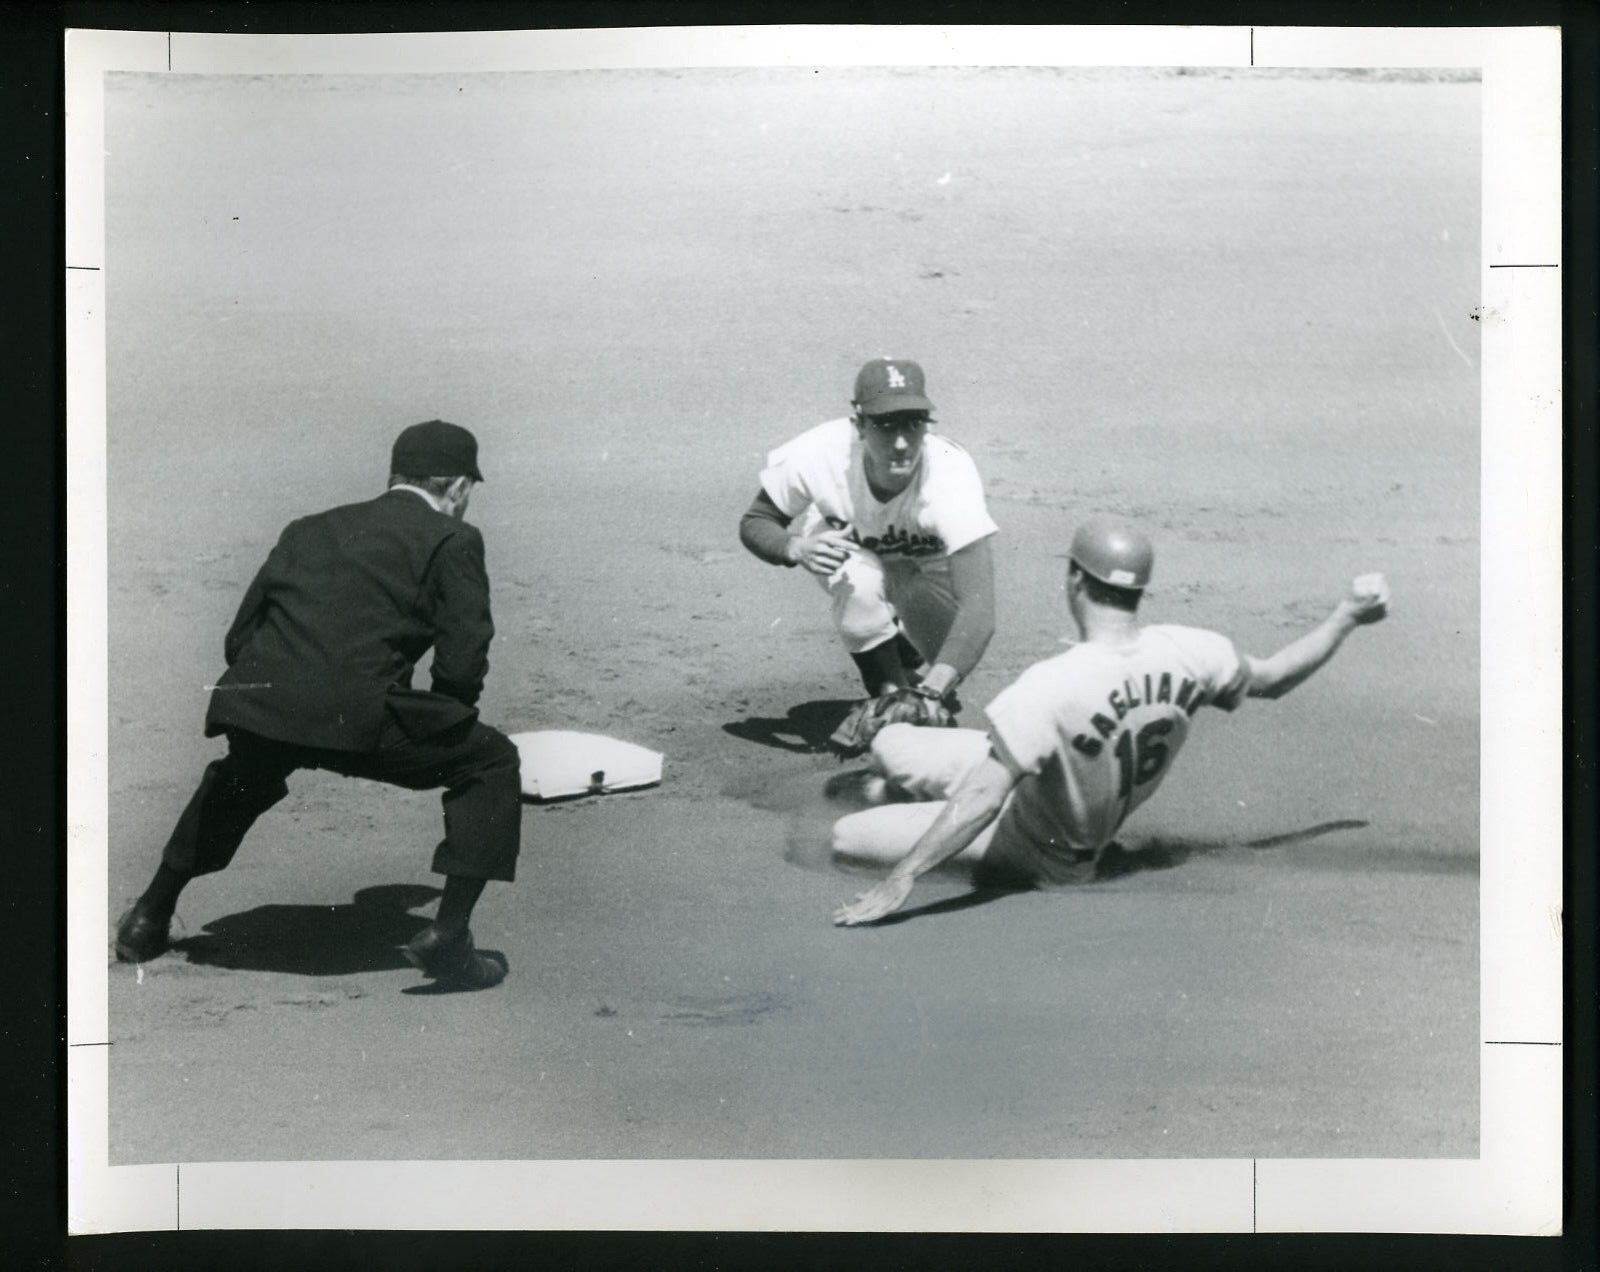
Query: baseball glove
(894, 706)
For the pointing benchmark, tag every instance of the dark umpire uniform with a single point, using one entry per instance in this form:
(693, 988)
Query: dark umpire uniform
(320, 660)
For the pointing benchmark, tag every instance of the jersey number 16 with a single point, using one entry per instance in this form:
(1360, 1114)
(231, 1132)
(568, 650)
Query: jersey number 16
(1140, 759)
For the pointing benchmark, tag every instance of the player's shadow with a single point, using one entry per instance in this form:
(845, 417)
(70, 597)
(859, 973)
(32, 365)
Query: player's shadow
(806, 728)
(1117, 862)
(316, 940)
(981, 894)
(1310, 832)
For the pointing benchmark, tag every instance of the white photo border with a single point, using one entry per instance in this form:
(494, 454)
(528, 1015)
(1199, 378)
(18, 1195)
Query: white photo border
(1513, 1188)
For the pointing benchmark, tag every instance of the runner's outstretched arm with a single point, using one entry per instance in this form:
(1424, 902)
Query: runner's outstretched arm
(975, 802)
(1294, 663)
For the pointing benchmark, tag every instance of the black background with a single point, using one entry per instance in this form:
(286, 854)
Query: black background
(32, 844)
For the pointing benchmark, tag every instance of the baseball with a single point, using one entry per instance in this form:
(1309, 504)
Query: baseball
(1370, 592)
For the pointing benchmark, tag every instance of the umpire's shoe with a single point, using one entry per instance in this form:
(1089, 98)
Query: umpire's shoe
(141, 937)
(454, 960)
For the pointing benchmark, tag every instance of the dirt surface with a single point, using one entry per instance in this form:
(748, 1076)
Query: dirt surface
(1234, 307)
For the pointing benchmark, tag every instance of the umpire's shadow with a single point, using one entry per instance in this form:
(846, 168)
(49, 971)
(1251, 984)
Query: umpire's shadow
(806, 728)
(316, 940)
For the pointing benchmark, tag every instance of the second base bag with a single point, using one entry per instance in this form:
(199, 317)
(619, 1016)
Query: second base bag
(559, 763)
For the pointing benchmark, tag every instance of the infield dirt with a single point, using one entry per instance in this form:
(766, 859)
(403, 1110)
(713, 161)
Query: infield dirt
(1235, 307)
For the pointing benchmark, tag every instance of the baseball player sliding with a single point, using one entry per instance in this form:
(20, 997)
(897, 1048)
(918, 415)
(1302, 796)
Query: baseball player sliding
(890, 518)
(1076, 743)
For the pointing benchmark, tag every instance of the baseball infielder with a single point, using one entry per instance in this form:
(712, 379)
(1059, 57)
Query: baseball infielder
(1076, 743)
(891, 521)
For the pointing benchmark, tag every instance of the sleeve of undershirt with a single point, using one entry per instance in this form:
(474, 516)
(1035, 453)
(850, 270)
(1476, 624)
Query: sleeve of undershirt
(764, 530)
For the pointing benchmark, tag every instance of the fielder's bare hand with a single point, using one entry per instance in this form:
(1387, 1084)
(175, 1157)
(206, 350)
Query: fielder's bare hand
(1369, 598)
(875, 902)
(821, 553)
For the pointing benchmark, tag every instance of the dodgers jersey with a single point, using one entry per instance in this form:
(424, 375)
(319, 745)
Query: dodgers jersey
(1095, 729)
(940, 512)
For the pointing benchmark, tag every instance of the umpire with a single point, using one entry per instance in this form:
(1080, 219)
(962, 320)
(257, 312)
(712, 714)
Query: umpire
(320, 659)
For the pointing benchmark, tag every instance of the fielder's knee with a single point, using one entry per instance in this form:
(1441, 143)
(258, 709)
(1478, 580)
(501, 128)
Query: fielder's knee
(861, 633)
(862, 614)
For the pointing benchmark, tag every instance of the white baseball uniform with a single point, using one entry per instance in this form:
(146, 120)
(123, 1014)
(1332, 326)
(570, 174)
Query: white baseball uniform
(903, 564)
(1093, 731)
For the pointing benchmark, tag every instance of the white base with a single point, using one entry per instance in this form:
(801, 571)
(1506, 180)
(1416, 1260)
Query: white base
(557, 763)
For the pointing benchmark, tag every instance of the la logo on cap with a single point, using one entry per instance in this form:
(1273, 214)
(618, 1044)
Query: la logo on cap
(890, 384)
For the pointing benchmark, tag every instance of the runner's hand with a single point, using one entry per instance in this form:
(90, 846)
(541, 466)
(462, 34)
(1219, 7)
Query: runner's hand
(1369, 598)
(875, 902)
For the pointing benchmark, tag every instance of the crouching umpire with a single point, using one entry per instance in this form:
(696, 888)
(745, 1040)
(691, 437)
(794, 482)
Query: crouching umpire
(320, 659)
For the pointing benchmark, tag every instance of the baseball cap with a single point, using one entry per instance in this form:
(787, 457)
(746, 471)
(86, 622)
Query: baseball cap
(890, 384)
(436, 448)
(1114, 552)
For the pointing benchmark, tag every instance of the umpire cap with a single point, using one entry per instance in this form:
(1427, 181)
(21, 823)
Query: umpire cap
(436, 448)
(1113, 551)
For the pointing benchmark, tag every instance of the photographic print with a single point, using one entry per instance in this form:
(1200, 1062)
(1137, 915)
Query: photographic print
(466, 428)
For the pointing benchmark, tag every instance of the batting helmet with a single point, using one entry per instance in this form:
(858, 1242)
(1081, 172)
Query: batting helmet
(1114, 552)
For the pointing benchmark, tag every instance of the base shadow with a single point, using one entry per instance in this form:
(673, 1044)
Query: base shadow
(315, 940)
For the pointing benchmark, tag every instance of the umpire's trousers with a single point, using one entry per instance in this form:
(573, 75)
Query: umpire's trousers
(476, 765)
